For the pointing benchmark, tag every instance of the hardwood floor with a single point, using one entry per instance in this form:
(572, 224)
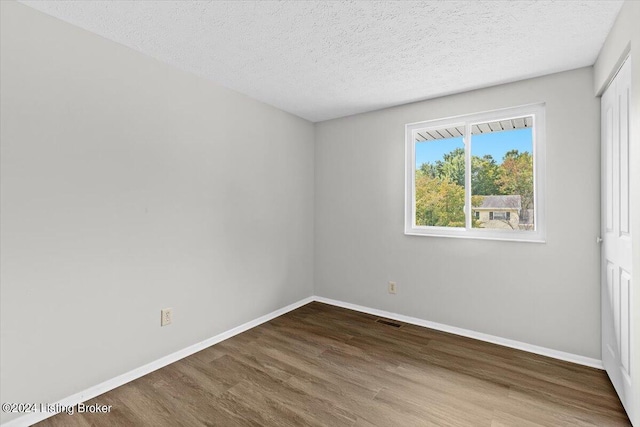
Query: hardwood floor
(326, 366)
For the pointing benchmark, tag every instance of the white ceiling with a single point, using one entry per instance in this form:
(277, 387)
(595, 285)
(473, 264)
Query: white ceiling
(322, 60)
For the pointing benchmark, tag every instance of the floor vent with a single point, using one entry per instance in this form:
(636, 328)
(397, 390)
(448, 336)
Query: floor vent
(387, 322)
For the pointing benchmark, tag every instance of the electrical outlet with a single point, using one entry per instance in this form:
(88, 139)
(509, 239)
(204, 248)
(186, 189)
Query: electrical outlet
(392, 287)
(166, 316)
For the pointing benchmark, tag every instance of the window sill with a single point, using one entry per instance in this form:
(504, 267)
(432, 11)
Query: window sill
(529, 237)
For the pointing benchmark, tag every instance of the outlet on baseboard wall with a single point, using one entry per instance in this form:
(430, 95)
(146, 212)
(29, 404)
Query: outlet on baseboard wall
(393, 287)
(166, 316)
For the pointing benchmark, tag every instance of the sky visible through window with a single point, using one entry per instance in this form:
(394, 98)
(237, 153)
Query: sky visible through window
(496, 144)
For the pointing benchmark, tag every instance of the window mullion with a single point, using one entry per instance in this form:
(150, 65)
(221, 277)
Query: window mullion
(467, 176)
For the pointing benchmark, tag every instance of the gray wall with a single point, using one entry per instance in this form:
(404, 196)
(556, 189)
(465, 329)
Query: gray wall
(129, 186)
(624, 39)
(542, 294)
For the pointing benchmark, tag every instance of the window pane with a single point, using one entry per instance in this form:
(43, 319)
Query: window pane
(439, 179)
(502, 174)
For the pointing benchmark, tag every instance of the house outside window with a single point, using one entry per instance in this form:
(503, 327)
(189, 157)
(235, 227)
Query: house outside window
(500, 212)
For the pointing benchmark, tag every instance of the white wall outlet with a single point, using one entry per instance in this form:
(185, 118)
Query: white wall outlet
(392, 287)
(166, 316)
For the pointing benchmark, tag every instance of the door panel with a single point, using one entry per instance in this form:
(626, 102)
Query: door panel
(625, 285)
(623, 100)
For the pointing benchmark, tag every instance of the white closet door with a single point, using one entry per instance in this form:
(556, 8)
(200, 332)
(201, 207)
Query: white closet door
(617, 283)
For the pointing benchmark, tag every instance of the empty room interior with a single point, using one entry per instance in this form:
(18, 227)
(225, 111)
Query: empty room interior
(320, 213)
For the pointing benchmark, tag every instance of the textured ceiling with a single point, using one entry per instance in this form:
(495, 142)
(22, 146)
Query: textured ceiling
(321, 60)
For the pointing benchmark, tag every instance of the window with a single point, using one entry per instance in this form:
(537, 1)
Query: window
(505, 216)
(477, 176)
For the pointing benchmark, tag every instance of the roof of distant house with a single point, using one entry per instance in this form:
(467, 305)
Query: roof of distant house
(501, 202)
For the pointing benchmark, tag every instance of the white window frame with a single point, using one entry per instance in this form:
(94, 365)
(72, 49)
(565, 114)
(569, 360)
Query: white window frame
(538, 235)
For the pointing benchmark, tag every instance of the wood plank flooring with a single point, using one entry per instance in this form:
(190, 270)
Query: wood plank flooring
(326, 366)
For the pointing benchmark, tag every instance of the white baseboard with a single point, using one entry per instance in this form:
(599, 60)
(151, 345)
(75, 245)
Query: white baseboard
(556, 354)
(91, 392)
